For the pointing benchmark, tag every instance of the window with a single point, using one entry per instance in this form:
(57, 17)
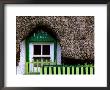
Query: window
(41, 49)
(41, 53)
(37, 49)
(46, 50)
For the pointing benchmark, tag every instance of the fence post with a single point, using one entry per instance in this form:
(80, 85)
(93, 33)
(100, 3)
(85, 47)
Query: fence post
(41, 68)
(54, 70)
(92, 70)
(72, 69)
(68, 70)
(50, 71)
(81, 70)
(63, 70)
(77, 70)
(26, 68)
(86, 69)
(45, 70)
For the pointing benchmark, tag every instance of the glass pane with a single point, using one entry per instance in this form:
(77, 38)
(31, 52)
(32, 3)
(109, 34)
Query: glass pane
(37, 49)
(46, 50)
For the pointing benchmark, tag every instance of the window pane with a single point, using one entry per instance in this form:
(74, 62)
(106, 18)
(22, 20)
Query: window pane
(46, 50)
(37, 49)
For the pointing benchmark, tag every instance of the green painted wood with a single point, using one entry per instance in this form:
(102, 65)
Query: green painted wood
(54, 70)
(77, 70)
(45, 70)
(91, 70)
(63, 70)
(41, 36)
(26, 68)
(59, 70)
(68, 70)
(50, 71)
(27, 50)
(72, 69)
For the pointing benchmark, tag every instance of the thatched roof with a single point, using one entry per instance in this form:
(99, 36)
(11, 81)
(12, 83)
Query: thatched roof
(75, 33)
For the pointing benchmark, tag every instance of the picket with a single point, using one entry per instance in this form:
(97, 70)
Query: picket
(54, 70)
(45, 70)
(68, 70)
(50, 71)
(63, 70)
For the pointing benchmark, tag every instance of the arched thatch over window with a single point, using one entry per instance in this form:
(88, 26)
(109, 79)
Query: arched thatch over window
(46, 28)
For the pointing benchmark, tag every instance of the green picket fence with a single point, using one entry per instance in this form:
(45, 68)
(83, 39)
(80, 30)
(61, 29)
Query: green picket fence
(50, 68)
(66, 70)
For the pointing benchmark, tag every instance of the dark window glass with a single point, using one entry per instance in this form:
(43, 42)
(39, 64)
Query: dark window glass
(37, 49)
(46, 50)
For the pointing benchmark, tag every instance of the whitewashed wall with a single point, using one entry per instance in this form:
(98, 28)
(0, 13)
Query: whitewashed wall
(21, 67)
(58, 54)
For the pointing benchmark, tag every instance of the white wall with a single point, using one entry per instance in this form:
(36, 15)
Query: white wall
(21, 67)
(58, 54)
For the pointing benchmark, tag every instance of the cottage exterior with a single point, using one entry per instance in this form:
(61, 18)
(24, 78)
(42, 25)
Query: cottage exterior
(57, 39)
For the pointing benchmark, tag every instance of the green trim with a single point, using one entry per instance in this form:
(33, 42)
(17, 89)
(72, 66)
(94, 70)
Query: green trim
(41, 37)
(27, 50)
(27, 55)
(26, 68)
